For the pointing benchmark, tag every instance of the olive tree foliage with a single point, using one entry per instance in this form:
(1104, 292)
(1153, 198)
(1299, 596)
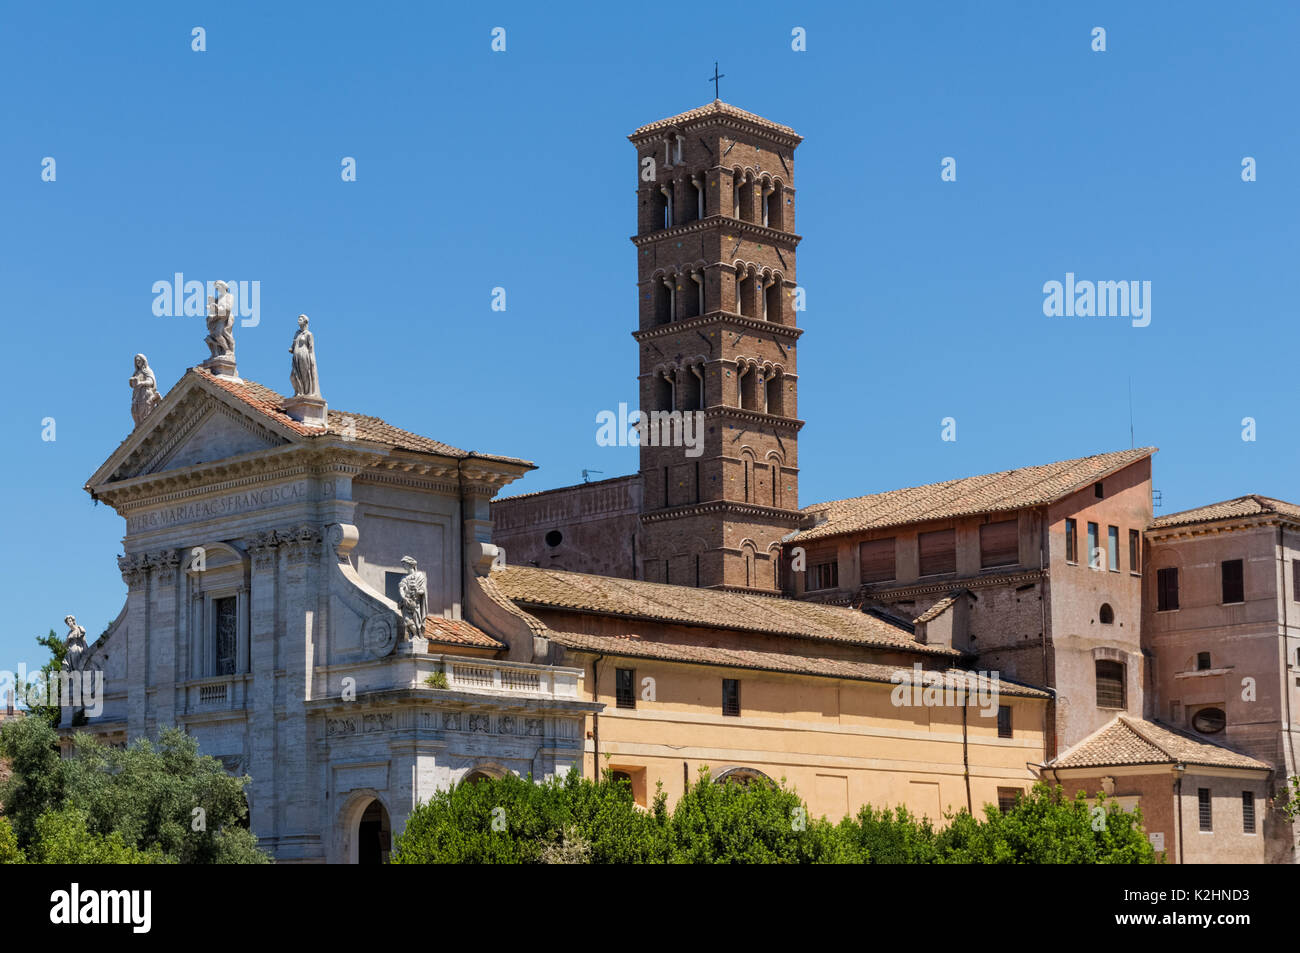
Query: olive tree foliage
(160, 799)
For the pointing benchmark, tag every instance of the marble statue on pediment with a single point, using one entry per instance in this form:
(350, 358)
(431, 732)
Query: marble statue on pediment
(144, 390)
(302, 374)
(76, 644)
(221, 322)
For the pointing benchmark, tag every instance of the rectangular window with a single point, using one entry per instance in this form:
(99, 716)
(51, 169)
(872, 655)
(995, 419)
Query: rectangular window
(225, 632)
(1004, 721)
(1071, 541)
(1248, 812)
(1096, 490)
(392, 582)
(824, 576)
(999, 544)
(1202, 661)
(1094, 543)
(1134, 551)
(731, 696)
(1295, 580)
(1234, 589)
(1166, 590)
(1112, 548)
(1206, 811)
(624, 680)
(877, 558)
(938, 552)
(1007, 798)
(1110, 684)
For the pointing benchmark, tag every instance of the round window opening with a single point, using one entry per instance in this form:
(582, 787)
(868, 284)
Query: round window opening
(1107, 614)
(554, 538)
(1209, 721)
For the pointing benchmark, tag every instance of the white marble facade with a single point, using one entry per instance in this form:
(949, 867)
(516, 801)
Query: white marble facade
(260, 563)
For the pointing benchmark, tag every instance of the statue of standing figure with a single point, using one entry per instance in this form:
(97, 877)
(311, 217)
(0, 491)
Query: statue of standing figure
(144, 390)
(221, 322)
(76, 643)
(302, 375)
(414, 594)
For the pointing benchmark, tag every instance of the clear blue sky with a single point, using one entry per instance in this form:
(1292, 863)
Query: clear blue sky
(479, 169)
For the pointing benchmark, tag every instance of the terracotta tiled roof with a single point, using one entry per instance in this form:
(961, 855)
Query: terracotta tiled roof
(715, 108)
(970, 496)
(458, 632)
(936, 610)
(632, 646)
(1126, 740)
(1243, 506)
(635, 599)
(341, 423)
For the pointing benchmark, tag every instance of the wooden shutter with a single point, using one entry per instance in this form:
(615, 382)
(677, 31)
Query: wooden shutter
(878, 560)
(999, 544)
(938, 552)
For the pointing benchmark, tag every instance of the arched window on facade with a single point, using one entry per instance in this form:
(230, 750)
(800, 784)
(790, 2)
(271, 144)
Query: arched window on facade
(772, 299)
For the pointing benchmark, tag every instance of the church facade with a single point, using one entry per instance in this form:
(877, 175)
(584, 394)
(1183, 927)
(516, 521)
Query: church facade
(349, 613)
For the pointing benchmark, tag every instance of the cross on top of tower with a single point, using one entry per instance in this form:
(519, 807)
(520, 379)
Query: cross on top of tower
(715, 77)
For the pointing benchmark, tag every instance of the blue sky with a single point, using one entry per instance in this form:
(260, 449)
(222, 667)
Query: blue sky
(478, 169)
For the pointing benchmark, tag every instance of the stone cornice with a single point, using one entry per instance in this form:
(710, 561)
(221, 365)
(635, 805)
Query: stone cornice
(773, 235)
(248, 469)
(730, 508)
(717, 317)
(874, 592)
(728, 120)
(756, 417)
(1231, 524)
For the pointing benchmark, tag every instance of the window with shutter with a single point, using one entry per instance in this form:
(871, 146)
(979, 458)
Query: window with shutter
(999, 544)
(1166, 590)
(1110, 684)
(1205, 809)
(877, 558)
(938, 552)
(624, 678)
(1248, 812)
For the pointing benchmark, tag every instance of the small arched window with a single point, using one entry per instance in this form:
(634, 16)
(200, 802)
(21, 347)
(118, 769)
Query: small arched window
(1107, 614)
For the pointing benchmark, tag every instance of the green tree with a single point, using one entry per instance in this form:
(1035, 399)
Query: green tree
(62, 837)
(162, 798)
(890, 837)
(1045, 827)
(49, 711)
(163, 795)
(31, 746)
(10, 852)
(758, 822)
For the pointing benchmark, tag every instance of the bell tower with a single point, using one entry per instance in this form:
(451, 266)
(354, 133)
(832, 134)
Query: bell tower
(717, 301)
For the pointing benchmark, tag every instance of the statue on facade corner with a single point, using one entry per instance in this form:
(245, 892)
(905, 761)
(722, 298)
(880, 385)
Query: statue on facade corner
(76, 644)
(302, 374)
(414, 594)
(221, 322)
(144, 390)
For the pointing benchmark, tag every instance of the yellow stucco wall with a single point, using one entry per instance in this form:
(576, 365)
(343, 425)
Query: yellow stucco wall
(840, 743)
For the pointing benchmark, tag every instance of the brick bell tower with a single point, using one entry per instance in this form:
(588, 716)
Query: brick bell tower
(716, 289)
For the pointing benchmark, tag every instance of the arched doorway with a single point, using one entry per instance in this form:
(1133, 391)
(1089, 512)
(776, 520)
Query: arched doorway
(374, 835)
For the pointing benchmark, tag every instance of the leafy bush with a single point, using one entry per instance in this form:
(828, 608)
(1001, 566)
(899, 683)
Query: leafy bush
(575, 820)
(162, 799)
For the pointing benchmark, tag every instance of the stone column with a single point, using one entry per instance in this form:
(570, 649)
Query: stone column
(135, 573)
(164, 673)
(300, 556)
(262, 631)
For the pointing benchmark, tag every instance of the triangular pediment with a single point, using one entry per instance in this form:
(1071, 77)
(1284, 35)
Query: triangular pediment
(194, 424)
